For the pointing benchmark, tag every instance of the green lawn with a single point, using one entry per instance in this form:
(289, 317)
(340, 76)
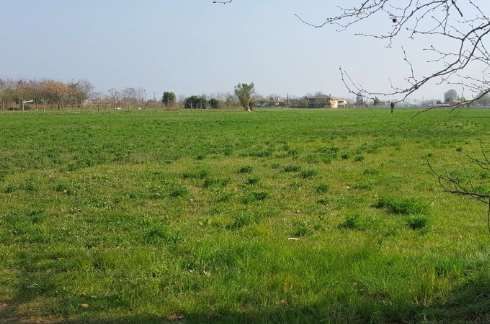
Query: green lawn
(273, 216)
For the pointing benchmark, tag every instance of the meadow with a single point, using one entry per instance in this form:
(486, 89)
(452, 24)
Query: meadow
(273, 216)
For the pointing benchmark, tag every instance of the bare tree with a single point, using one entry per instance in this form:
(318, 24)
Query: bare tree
(6, 93)
(140, 96)
(115, 97)
(81, 91)
(223, 2)
(462, 24)
(468, 187)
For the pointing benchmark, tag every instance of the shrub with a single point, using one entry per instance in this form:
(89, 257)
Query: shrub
(307, 174)
(200, 174)
(359, 158)
(292, 168)
(402, 206)
(255, 197)
(330, 152)
(261, 154)
(323, 202)
(223, 196)
(252, 181)
(63, 188)
(312, 159)
(293, 153)
(300, 229)
(159, 234)
(371, 172)
(10, 188)
(417, 222)
(178, 191)
(363, 185)
(351, 222)
(29, 186)
(215, 183)
(245, 170)
(242, 220)
(323, 188)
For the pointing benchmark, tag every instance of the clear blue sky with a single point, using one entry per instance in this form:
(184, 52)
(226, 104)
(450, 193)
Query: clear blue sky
(189, 46)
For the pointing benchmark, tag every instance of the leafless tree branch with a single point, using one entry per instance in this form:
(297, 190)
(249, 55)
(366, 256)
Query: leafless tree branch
(457, 186)
(461, 23)
(223, 2)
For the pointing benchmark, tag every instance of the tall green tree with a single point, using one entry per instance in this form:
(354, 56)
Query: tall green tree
(451, 96)
(245, 93)
(214, 103)
(196, 102)
(169, 98)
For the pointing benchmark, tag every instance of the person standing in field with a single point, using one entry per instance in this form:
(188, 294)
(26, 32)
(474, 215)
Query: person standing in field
(392, 107)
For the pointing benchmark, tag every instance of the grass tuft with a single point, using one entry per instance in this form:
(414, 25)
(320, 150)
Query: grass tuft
(351, 223)
(308, 174)
(323, 188)
(245, 170)
(241, 220)
(197, 175)
(254, 197)
(417, 222)
(300, 229)
(178, 191)
(252, 181)
(292, 168)
(402, 206)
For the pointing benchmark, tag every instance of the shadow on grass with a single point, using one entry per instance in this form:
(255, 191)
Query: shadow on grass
(469, 303)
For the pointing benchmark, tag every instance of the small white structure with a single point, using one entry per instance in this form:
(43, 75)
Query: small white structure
(24, 102)
(336, 103)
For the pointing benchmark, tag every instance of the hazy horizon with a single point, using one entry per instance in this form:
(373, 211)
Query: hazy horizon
(195, 47)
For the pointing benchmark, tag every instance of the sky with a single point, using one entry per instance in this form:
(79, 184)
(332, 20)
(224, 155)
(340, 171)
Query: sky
(192, 46)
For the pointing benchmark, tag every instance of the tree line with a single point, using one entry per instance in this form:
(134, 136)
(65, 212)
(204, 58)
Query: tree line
(13, 93)
(33, 94)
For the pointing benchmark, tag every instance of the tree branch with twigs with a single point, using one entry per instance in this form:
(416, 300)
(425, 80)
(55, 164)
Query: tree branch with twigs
(461, 23)
(456, 185)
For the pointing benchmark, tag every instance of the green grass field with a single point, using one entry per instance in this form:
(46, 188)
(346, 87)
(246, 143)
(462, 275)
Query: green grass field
(274, 216)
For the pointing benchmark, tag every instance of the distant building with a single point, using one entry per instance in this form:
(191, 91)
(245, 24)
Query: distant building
(320, 101)
(326, 102)
(298, 102)
(336, 103)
